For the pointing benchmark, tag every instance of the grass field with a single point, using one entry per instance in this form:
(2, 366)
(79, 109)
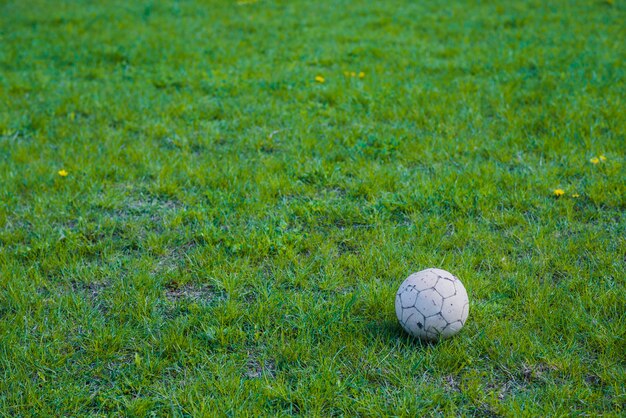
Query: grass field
(206, 207)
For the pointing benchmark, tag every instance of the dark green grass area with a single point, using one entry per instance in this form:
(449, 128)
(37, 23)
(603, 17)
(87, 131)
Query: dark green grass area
(231, 233)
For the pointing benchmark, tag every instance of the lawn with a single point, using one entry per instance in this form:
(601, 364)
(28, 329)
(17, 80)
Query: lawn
(206, 207)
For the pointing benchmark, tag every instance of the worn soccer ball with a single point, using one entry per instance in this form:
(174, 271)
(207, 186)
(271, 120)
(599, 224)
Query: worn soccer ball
(432, 304)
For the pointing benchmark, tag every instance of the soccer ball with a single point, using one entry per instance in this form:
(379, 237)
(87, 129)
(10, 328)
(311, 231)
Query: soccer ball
(432, 304)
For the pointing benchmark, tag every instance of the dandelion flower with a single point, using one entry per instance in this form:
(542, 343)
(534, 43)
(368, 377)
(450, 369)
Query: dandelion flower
(320, 79)
(352, 74)
(559, 192)
(602, 158)
(575, 195)
(361, 74)
(63, 173)
(594, 160)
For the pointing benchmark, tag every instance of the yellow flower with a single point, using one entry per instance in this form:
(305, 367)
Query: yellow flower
(559, 192)
(320, 79)
(352, 74)
(575, 195)
(361, 74)
(63, 173)
(594, 160)
(602, 158)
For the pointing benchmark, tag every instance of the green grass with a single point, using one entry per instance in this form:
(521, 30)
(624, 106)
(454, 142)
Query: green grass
(231, 233)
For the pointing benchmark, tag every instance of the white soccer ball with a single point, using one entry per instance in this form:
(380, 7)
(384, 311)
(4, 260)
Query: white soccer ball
(432, 304)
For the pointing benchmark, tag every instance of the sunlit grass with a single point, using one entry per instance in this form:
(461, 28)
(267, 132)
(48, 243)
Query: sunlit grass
(208, 206)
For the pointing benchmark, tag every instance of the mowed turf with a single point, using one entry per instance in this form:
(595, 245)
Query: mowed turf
(247, 184)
